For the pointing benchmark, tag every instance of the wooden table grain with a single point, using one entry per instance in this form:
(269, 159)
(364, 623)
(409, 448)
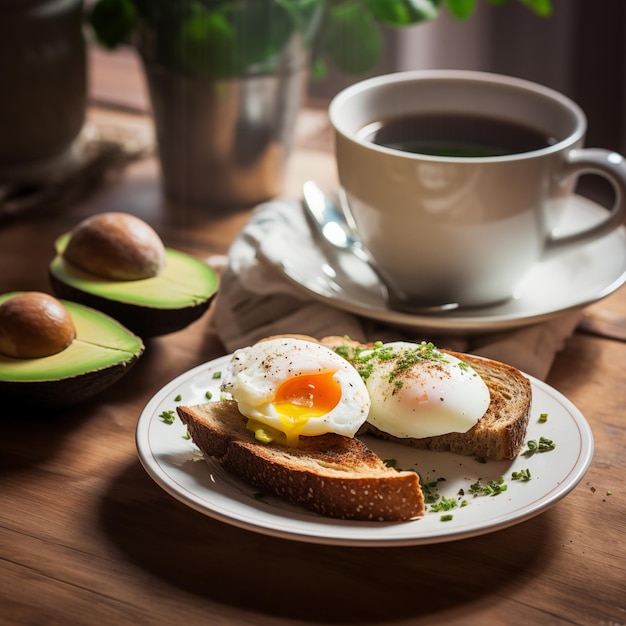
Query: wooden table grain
(86, 537)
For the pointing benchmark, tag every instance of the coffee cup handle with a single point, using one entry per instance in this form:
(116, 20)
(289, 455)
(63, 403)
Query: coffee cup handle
(609, 165)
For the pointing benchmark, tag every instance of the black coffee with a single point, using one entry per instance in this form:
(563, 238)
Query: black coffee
(455, 135)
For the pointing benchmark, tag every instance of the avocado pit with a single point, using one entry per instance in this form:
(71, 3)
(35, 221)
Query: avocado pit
(116, 263)
(116, 246)
(34, 325)
(99, 350)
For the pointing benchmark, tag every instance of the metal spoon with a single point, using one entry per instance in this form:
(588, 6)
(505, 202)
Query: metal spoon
(332, 223)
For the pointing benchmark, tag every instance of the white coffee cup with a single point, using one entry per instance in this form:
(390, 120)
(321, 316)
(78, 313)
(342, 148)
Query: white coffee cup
(465, 229)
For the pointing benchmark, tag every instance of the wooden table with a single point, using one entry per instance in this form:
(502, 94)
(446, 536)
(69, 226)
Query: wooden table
(86, 537)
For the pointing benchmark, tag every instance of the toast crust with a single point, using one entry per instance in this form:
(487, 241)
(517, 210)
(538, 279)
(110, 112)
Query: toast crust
(330, 474)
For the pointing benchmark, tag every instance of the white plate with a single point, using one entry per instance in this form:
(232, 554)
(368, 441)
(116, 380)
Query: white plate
(550, 288)
(174, 463)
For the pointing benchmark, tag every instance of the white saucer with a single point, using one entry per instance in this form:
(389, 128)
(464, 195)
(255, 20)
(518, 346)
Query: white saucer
(551, 288)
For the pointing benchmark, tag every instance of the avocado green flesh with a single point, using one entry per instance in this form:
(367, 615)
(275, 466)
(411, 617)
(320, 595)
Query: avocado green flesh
(100, 343)
(185, 281)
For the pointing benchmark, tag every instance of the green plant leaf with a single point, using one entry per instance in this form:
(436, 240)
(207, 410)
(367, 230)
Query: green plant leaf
(206, 45)
(305, 14)
(399, 13)
(318, 69)
(262, 28)
(460, 9)
(112, 21)
(543, 8)
(351, 38)
(223, 39)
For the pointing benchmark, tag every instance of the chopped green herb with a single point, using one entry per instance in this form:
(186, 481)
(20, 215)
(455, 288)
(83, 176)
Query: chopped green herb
(430, 490)
(168, 417)
(208, 395)
(343, 352)
(609, 493)
(364, 359)
(480, 459)
(425, 351)
(178, 398)
(491, 488)
(436, 501)
(523, 475)
(444, 504)
(543, 417)
(187, 435)
(544, 445)
(217, 375)
(390, 462)
(446, 518)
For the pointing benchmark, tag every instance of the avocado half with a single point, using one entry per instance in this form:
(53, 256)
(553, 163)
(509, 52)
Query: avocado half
(162, 304)
(101, 353)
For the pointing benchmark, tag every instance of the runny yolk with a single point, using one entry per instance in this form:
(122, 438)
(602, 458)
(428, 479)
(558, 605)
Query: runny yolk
(304, 397)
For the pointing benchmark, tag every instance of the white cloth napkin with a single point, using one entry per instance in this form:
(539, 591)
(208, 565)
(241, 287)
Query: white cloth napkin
(257, 300)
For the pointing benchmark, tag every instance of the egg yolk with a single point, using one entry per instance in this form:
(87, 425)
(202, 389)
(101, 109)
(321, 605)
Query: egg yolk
(304, 397)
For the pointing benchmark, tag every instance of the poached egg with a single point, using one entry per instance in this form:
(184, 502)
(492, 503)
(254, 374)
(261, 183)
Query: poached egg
(296, 387)
(418, 391)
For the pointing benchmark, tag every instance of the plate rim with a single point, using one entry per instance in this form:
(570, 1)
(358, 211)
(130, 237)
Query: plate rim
(467, 323)
(309, 531)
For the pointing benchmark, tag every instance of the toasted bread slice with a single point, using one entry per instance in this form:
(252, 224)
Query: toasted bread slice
(330, 474)
(499, 434)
